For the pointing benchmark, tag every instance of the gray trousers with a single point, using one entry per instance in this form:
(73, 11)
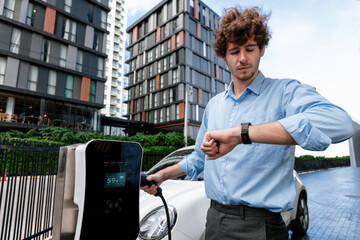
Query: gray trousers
(241, 223)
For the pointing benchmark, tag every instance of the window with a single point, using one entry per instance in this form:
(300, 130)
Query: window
(164, 98)
(149, 56)
(32, 78)
(177, 40)
(69, 86)
(15, 40)
(152, 85)
(175, 76)
(63, 55)
(45, 50)
(168, 114)
(155, 116)
(103, 19)
(69, 30)
(161, 81)
(79, 61)
(90, 13)
(161, 115)
(9, 8)
(177, 116)
(165, 67)
(96, 42)
(67, 5)
(30, 14)
(100, 71)
(159, 66)
(162, 49)
(92, 91)
(2, 70)
(204, 49)
(171, 95)
(157, 51)
(51, 82)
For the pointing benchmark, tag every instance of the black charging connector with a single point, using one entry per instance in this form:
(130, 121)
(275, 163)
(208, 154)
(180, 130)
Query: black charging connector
(145, 182)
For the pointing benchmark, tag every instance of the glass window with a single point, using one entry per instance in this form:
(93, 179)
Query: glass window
(103, 19)
(159, 66)
(162, 49)
(96, 42)
(90, 13)
(155, 116)
(69, 30)
(32, 78)
(165, 67)
(45, 50)
(164, 98)
(9, 8)
(30, 14)
(79, 60)
(161, 115)
(51, 82)
(15, 40)
(100, 71)
(168, 114)
(92, 91)
(177, 116)
(161, 81)
(67, 5)
(69, 86)
(175, 76)
(63, 55)
(2, 70)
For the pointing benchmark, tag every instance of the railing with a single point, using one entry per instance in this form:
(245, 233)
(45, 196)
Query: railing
(28, 171)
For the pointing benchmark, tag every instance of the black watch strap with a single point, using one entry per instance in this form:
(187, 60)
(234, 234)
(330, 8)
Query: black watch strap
(245, 133)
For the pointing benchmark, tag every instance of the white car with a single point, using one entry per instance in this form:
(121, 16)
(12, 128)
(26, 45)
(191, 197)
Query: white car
(188, 206)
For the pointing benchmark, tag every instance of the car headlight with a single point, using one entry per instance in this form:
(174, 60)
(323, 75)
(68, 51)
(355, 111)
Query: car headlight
(154, 225)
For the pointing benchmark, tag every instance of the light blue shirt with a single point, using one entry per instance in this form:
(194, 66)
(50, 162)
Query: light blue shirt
(261, 175)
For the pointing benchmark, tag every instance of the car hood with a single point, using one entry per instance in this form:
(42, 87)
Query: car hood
(190, 201)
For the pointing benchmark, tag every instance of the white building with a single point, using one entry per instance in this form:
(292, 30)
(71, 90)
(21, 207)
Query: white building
(115, 63)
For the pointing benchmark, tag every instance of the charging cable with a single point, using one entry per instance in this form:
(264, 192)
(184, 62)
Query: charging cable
(145, 182)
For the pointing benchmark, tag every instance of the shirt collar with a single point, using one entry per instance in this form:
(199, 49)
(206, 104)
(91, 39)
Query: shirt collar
(255, 86)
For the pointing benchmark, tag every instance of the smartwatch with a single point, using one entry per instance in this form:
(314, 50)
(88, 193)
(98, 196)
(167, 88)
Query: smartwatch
(245, 133)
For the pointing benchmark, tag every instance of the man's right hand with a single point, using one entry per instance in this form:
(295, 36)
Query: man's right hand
(158, 179)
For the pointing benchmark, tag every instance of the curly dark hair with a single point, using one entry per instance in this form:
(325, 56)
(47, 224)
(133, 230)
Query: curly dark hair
(238, 26)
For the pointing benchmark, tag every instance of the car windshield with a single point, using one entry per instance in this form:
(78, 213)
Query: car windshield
(172, 159)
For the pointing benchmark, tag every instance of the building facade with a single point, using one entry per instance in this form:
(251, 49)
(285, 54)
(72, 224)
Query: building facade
(172, 65)
(52, 55)
(115, 63)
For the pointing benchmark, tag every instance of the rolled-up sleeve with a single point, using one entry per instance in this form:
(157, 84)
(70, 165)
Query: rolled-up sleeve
(312, 120)
(193, 164)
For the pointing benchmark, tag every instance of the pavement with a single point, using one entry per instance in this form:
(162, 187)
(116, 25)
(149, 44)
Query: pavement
(334, 204)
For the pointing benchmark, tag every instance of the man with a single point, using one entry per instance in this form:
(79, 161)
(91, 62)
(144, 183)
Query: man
(247, 139)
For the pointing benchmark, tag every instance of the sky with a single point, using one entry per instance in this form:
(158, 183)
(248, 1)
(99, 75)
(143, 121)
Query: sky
(314, 41)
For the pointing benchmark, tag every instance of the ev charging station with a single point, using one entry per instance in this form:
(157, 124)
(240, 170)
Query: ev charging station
(97, 191)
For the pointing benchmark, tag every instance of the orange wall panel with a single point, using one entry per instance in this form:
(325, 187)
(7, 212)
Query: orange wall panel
(143, 119)
(85, 89)
(157, 85)
(158, 34)
(181, 38)
(199, 96)
(49, 23)
(196, 9)
(198, 30)
(173, 42)
(181, 110)
(132, 106)
(136, 33)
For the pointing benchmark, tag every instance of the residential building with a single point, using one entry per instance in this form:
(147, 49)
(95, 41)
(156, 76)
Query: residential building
(52, 55)
(171, 55)
(115, 63)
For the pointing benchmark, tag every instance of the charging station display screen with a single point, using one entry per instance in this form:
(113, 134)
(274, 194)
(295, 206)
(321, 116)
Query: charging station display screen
(112, 180)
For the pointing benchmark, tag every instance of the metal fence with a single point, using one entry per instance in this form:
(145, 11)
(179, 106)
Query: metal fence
(27, 187)
(28, 171)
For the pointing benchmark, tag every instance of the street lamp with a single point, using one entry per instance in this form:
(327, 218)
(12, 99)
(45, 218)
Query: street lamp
(188, 92)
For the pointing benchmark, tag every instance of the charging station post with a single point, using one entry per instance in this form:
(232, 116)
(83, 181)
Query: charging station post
(97, 191)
